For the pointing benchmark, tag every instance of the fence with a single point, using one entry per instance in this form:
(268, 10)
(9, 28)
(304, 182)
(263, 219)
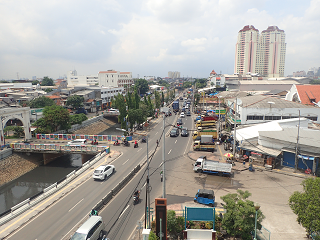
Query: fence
(65, 137)
(263, 234)
(56, 147)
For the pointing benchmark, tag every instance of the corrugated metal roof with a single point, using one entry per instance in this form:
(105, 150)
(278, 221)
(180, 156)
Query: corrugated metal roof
(261, 149)
(260, 101)
(307, 137)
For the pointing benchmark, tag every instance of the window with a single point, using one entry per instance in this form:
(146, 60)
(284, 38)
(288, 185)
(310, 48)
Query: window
(272, 117)
(254, 117)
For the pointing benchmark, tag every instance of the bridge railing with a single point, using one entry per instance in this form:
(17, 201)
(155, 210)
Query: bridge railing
(69, 137)
(56, 147)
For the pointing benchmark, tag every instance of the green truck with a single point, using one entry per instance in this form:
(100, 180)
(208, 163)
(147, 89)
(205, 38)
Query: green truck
(212, 132)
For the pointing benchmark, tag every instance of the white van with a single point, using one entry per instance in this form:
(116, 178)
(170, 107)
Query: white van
(77, 142)
(92, 229)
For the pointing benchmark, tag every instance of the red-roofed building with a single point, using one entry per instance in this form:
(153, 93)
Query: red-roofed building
(305, 94)
(56, 99)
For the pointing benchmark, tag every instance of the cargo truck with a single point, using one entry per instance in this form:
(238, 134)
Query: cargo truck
(212, 132)
(205, 124)
(206, 143)
(175, 106)
(209, 166)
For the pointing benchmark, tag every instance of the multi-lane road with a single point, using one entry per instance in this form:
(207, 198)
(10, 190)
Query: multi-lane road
(63, 217)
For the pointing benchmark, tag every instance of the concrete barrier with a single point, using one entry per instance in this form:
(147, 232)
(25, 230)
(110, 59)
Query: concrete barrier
(20, 204)
(50, 187)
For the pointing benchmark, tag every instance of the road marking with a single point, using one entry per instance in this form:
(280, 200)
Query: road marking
(123, 211)
(156, 133)
(139, 150)
(169, 151)
(144, 185)
(160, 165)
(76, 205)
(125, 162)
(176, 141)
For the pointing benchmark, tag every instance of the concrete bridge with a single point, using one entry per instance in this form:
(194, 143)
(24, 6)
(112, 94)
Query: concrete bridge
(52, 151)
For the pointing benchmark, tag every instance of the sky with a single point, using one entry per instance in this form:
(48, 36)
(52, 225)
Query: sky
(146, 37)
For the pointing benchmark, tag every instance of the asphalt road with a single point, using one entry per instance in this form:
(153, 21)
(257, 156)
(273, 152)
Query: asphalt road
(62, 218)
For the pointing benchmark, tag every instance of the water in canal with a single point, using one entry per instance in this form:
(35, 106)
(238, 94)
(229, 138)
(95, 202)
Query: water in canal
(42, 177)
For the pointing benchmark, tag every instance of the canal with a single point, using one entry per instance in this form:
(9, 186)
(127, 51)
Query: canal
(42, 177)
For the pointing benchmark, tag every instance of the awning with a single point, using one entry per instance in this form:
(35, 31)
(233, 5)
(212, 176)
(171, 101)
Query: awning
(303, 154)
(261, 149)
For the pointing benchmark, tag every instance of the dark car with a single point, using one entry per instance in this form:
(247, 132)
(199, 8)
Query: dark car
(179, 122)
(184, 132)
(188, 113)
(174, 132)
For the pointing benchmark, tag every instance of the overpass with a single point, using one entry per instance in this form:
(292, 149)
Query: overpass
(51, 151)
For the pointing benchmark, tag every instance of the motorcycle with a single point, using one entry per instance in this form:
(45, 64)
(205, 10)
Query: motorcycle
(135, 145)
(136, 198)
(144, 140)
(116, 143)
(127, 144)
(94, 143)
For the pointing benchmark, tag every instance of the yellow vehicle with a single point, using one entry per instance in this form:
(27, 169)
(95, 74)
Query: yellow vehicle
(212, 132)
(205, 123)
(198, 146)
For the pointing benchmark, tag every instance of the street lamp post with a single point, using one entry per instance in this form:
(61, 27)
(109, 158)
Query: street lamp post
(257, 207)
(147, 210)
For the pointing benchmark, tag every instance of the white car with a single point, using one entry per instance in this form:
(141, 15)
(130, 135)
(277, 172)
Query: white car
(77, 142)
(103, 172)
(182, 115)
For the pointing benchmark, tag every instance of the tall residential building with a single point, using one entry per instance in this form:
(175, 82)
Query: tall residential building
(173, 75)
(272, 52)
(263, 54)
(246, 50)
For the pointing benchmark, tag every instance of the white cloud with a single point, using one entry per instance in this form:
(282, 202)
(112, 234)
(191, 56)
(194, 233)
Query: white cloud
(149, 37)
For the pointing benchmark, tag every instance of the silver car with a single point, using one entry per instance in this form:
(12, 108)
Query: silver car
(92, 229)
(102, 172)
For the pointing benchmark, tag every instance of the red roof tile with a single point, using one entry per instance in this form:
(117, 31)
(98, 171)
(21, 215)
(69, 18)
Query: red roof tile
(309, 93)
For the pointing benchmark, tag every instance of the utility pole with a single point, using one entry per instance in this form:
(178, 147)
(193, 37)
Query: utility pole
(235, 127)
(297, 145)
(163, 160)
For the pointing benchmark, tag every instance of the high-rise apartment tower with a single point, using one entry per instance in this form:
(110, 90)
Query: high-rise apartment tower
(263, 54)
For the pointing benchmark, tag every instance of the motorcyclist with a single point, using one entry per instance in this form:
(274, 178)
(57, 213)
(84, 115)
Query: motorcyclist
(93, 213)
(135, 142)
(116, 142)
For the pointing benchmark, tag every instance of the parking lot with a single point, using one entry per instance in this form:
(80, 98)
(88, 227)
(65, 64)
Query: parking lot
(271, 189)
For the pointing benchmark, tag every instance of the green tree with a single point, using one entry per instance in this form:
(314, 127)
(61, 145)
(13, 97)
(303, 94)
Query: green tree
(187, 84)
(157, 99)
(55, 118)
(46, 81)
(239, 219)
(163, 83)
(17, 130)
(150, 107)
(35, 82)
(77, 118)
(162, 98)
(120, 103)
(75, 101)
(48, 90)
(175, 225)
(306, 205)
(135, 115)
(41, 102)
(136, 98)
(141, 85)
(153, 236)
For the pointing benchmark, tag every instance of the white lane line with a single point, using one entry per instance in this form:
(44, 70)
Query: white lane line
(125, 162)
(76, 205)
(160, 165)
(169, 151)
(156, 133)
(139, 149)
(144, 185)
(176, 141)
(124, 211)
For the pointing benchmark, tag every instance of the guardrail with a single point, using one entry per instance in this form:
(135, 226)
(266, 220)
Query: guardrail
(70, 137)
(57, 147)
(32, 201)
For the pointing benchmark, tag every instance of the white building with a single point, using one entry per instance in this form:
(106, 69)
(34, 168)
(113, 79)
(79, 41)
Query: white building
(110, 78)
(217, 79)
(107, 93)
(259, 109)
(173, 75)
(74, 79)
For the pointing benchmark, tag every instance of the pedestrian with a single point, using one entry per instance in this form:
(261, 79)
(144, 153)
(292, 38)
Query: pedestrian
(161, 175)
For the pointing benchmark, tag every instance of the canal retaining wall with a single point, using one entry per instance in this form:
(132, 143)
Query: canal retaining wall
(17, 165)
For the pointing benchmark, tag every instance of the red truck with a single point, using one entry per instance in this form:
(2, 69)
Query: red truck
(210, 118)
